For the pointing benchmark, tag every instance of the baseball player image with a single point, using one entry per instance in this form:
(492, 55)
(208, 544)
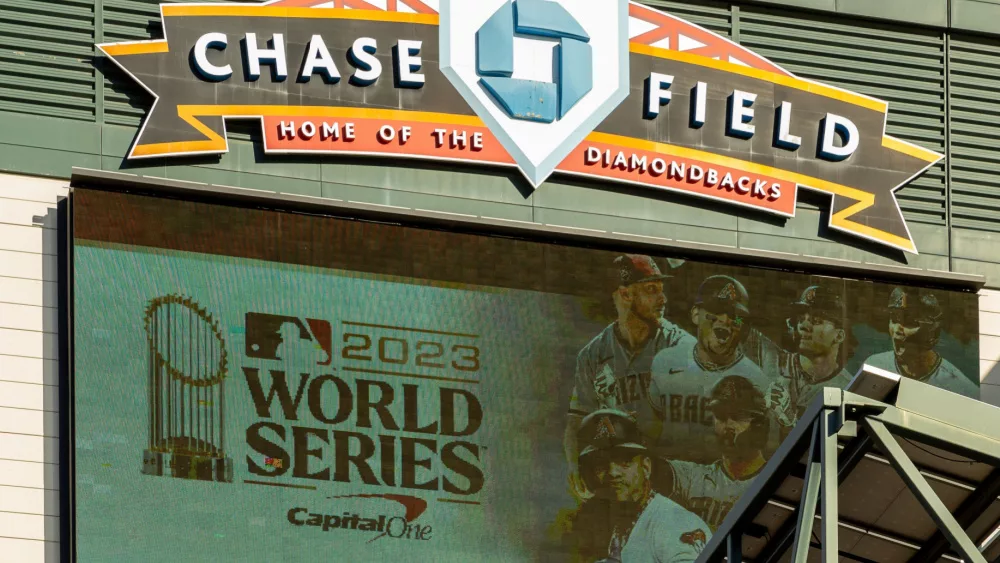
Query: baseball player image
(684, 376)
(915, 327)
(818, 333)
(641, 525)
(613, 369)
(742, 427)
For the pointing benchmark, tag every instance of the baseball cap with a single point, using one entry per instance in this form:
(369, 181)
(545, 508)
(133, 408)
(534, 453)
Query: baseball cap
(637, 268)
(608, 429)
(823, 300)
(917, 306)
(723, 294)
(735, 395)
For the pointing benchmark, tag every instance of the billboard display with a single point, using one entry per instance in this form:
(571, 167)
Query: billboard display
(255, 385)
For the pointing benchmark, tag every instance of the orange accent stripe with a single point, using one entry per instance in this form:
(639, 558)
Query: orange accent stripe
(217, 143)
(669, 28)
(137, 48)
(781, 79)
(181, 10)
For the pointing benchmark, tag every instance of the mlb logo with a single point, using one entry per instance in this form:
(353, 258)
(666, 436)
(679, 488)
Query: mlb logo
(289, 339)
(542, 74)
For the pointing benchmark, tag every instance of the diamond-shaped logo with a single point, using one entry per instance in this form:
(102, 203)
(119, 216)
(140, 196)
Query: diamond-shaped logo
(542, 74)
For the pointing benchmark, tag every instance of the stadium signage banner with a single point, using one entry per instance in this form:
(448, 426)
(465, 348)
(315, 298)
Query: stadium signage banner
(604, 89)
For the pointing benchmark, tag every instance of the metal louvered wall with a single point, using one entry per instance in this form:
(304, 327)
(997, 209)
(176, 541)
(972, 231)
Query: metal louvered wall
(46, 49)
(904, 68)
(974, 69)
(125, 103)
(712, 15)
(47, 68)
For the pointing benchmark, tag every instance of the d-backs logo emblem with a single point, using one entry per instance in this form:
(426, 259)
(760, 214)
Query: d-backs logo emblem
(605, 429)
(542, 74)
(728, 293)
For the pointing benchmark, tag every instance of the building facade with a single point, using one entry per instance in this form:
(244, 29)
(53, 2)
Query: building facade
(65, 105)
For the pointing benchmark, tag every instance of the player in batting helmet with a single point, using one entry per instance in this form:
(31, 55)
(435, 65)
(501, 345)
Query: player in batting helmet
(639, 291)
(915, 326)
(742, 425)
(817, 326)
(742, 428)
(609, 436)
(721, 312)
(615, 463)
(819, 334)
(914, 320)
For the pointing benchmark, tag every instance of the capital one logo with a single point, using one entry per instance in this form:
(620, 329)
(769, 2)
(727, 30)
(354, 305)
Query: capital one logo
(542, 74)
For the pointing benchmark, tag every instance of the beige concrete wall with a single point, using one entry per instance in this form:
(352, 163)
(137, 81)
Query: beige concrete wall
(29, 431)
(989, 345)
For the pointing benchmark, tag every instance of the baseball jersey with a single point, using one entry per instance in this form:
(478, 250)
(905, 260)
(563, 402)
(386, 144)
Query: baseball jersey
(945, 375)
(785, 368)
(631, 372)
(707, 490)
(665, 533)
(681, 388)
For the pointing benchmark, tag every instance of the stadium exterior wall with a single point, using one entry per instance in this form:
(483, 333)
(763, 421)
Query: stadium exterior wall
(94, 121)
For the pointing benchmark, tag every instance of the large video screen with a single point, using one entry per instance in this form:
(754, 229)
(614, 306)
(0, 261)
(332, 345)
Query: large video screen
(257, 385)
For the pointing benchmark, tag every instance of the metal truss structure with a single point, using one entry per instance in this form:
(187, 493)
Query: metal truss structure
(897, 469)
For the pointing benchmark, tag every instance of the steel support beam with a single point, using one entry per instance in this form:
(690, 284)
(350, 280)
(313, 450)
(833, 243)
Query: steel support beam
(734, 547)
(936, 509)
(976, 447)
(805, 516)
(829, 424)
(970, 509)
(853, 453)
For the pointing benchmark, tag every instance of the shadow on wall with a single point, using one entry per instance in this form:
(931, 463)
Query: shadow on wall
(58, 461)
(989, 390)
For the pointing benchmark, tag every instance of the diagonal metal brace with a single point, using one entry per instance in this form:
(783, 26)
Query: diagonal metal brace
(936, 509)
(810, 497)
(973, 507)
(852, 455)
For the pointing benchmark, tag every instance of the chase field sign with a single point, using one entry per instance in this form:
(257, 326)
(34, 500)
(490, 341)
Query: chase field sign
(606, 89)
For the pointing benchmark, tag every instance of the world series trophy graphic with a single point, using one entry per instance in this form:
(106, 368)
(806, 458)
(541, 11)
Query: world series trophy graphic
(188, 365)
